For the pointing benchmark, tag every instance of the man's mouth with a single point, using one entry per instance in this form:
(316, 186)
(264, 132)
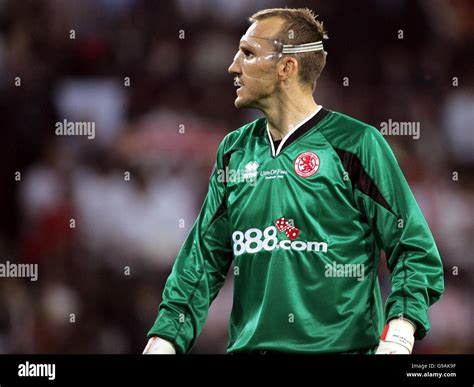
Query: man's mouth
(238, 84)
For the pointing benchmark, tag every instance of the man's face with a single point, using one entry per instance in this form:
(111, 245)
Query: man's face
(255, 65)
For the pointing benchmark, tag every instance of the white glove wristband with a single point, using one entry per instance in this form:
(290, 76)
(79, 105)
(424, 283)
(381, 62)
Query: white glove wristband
(159, 346)
(397, 338)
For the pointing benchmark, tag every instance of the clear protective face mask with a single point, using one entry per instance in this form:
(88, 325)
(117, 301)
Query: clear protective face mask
(257, 59)
(258, 51)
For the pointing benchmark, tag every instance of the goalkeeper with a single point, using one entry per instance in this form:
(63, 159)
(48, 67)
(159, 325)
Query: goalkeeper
(318, 196)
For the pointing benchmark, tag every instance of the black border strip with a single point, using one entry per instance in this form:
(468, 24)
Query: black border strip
(360, 178)
(306, 127)
(223, 206)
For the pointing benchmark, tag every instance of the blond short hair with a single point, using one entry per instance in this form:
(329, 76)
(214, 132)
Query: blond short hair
(301, 26)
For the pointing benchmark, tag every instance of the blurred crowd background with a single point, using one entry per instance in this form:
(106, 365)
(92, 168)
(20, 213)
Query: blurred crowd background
(104, 218)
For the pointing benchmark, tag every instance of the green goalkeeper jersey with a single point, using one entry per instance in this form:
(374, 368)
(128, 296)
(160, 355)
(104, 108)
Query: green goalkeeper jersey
(303, 226)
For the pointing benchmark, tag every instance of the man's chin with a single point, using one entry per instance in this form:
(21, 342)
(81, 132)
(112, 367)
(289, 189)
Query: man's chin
(242, 103)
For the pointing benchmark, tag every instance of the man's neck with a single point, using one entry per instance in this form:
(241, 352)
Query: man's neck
(283, 116)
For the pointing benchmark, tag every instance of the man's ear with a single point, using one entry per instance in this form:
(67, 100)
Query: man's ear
(287, 68)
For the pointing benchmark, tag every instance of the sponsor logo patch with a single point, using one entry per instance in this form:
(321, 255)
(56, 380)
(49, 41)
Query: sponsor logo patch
(254, 240)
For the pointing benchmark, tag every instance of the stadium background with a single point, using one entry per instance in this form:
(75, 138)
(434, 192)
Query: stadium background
(152, 76)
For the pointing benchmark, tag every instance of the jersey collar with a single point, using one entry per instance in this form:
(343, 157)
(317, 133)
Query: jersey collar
(310, 121)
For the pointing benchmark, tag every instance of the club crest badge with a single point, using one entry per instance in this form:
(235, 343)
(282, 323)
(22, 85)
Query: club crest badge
(306, 164)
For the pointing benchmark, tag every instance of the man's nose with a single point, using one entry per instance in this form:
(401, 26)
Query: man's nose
(234, 67)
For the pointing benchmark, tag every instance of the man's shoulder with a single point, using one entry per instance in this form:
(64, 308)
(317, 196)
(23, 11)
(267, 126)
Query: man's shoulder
(346, 132)
(348, 125)
(244, 133)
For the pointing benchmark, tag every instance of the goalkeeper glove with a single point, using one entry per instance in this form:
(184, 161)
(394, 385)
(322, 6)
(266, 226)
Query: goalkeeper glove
(397, 338)
(159, 346)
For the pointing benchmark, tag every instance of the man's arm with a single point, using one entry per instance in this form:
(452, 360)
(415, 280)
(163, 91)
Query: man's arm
(198, 273)
(416, 271)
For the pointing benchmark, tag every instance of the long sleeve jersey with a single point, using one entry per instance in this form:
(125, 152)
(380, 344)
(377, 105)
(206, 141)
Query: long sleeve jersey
(303, 227)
